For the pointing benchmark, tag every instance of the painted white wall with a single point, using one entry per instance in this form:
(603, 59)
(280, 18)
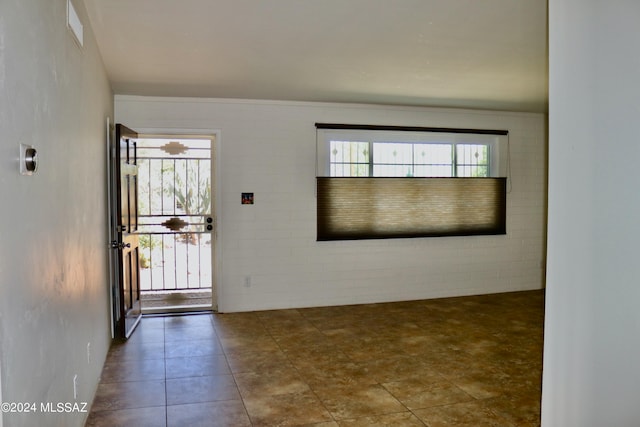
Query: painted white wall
(53, 286)
(591, 375)
(269, 148)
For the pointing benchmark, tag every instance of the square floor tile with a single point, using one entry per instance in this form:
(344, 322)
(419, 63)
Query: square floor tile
(136, 350)
(201, 366)
(146, 334)
(469, 414)
(286, 410)
(358, 401)
(257, 361)
(279, 381)
(208, 414)
(193, 348)
(402, 419)
(126, 395)
(201, 389)
(133, 370)
(139, 417)
(416, 395)
(188, 321)
(176, 335)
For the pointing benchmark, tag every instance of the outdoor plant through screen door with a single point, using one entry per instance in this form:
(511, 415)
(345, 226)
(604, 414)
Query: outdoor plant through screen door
(176, 223)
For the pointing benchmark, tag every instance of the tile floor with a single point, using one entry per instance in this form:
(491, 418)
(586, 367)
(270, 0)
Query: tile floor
(471, 361)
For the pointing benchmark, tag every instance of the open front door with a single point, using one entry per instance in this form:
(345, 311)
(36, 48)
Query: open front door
(124, 193)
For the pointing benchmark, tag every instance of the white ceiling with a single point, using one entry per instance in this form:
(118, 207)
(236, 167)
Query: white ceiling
(489, 54)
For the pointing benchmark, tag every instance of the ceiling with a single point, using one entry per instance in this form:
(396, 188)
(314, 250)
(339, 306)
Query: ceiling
(489, 54)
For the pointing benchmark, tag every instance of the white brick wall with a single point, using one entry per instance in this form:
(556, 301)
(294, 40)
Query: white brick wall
(268, 148)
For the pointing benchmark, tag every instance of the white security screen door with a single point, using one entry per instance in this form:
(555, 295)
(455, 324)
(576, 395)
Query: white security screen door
(176, 223)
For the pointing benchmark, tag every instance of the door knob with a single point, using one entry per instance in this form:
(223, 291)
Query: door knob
(119, 245)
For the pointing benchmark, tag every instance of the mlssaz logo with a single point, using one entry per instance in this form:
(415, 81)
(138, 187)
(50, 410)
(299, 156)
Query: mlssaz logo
(63, 407)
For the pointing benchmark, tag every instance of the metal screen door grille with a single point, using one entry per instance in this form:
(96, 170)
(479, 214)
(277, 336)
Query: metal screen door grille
(175, 220)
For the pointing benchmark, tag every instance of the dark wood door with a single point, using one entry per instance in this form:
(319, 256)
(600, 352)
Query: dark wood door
(127, 308)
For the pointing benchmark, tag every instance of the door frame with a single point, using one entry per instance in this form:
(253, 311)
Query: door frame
(216, 187)
(112, 270)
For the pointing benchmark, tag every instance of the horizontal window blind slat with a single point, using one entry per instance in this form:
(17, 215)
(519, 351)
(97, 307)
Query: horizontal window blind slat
(374, 208)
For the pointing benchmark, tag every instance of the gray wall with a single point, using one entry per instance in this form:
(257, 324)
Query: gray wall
(53, 268)
(591, 375)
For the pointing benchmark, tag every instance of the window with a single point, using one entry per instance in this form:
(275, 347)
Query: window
(377, 151)
(406, 159)
(382, 182)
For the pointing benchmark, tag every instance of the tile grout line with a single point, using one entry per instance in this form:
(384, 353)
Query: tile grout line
(233, 375)
(164, 361)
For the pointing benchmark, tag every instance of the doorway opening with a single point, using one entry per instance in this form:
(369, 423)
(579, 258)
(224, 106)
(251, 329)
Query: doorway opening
(176, 223)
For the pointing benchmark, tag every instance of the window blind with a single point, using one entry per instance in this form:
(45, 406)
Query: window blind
(376, 208)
